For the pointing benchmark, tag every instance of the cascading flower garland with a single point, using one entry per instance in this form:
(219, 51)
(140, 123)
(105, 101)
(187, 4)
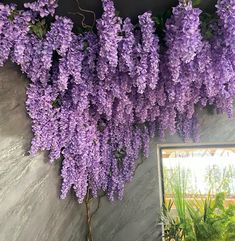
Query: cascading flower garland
(96, 99)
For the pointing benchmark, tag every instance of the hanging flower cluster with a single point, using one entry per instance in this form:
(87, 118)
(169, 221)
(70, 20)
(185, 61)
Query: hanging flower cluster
(96, 99)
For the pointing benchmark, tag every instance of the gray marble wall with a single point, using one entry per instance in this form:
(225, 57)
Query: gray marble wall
(30, 209)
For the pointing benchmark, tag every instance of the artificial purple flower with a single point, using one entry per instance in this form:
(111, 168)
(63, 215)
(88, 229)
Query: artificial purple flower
(183, 37)
(109, 29)
(43, 7)
(96, 100)
(147, 67)
(226, 12)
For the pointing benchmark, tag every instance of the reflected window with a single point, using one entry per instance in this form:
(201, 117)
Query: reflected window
(200, 170)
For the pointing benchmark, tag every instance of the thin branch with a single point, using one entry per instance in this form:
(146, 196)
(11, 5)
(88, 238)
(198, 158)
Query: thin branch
(84, 25)
(83, 19)
(98, 204)
(140, 163)
(88, 215)
(87, 11)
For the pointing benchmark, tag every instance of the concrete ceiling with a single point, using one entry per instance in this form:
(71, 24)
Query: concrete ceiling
(130, 8)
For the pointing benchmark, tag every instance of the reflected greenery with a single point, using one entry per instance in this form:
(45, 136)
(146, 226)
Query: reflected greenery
(198, 218)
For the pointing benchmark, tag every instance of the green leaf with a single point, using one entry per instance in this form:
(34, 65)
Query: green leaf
(14, 13)
(167, 14)
(117, 13)
(196, 3)
(56, 103)
(157, 20)
(39, 28)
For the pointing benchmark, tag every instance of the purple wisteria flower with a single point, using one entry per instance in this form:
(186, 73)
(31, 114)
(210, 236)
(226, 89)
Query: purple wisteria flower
(109, 29)
(7, 35)
(183, 37)
(126, 49)
(226, 12)
(148, 65)
(43, 7)
(97, 99)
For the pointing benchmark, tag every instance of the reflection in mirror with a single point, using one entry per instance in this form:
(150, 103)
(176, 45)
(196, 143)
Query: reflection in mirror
(199, 193)
(203, 170)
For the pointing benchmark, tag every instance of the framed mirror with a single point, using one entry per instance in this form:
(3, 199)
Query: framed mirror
(195, 180)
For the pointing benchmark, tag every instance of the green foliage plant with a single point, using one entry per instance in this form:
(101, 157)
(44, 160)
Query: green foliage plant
(199, 218)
